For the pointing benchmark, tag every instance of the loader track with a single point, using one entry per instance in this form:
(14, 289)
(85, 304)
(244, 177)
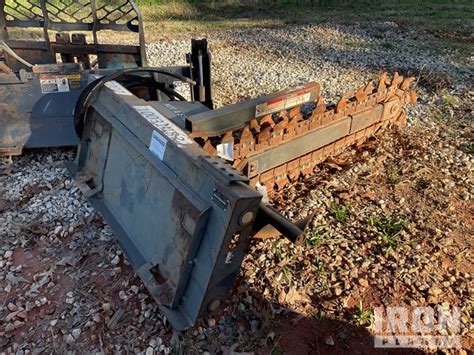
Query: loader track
(270, 131)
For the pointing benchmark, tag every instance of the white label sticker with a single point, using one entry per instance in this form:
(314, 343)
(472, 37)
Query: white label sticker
(118, 88)
(158, 144)
(54, 84)
(172, 131)
(226, 151)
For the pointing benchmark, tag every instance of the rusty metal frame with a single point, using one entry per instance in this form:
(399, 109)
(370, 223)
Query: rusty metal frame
(60, 16)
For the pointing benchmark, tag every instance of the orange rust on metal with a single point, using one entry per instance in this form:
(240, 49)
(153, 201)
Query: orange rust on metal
(368, 110)
(266, 121)
(406, 83)
(209, 148)
(227, 138)
(5, 68)
(382, 82)
(412, 97)
(360, 94)
(254, 126)
(369, 88)
(342, 104)
(320, 106)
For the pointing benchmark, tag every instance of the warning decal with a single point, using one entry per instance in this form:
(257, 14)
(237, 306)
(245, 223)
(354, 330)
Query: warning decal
(74, 81)
(54, 84)
(283, 103)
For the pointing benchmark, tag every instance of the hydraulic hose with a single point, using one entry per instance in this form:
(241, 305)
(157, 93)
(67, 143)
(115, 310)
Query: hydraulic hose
(12, 53)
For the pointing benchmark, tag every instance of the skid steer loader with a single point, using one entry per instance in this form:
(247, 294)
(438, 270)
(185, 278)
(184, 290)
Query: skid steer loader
(42, 76)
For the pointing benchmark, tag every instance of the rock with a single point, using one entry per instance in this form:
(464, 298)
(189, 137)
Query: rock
(70, 339)
(17, 324)
(328, 340)
(150, 351)
(12, 307)
(76, 333)
(106, 307)
(364, 283)
(115, 260)
(435, 291)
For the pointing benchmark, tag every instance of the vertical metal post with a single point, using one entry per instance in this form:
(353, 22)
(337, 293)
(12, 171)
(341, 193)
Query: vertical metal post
(141, 34)
(201, 72)
(3, 29)
(95, 24)
(45, 28)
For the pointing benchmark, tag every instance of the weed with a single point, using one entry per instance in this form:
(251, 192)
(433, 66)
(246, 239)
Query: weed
(316, 236)
(319, 267)
(276, 351)
(320, 316)
(278, 250)
(470, 148)
(341, 211)
(388, 227)
(388, 45)
(450, 101)
(363, 316)
(287, 274)
(267, 318)
(393, 175)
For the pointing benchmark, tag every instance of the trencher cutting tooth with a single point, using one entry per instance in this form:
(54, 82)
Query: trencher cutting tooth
(342, 103)
(382, 82)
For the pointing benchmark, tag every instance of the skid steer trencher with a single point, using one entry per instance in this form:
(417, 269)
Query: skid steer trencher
(185, 187)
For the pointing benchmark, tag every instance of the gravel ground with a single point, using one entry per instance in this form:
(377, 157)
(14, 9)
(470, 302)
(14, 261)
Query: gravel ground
(65, 285)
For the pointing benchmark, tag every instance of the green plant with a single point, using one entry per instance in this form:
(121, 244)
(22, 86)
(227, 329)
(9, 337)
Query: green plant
(363, 316)
(470, 148)
(393, 175)
(442, 115)
(287, 274)
(340, 211)
(318, 267)
(276, 351)
(316, 236)
(277, 248)
(450, 100)
(388, 227)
